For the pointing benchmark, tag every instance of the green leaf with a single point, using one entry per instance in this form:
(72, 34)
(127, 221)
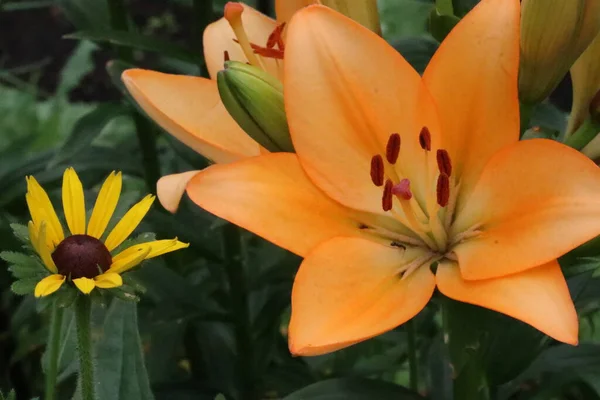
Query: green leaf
(115, 69)
(440, 25)
(86, 130)
(353, 389)
(10, 396)
(417, 51)
(79, 64)
(19, 259)
(461, 7)
(140, 42)
(120, 363)
(85, 14)
(24, 286)
(21, 232)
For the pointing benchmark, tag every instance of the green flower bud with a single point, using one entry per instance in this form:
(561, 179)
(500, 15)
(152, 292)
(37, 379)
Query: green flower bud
(254, 99)
(554, 33)
(585, 74)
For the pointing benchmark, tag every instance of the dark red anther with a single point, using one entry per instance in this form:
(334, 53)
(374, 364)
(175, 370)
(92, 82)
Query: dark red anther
(443, 190)
(443, 162)
(425, 139)
(387, 199)
(402, 190)
(377, 170)
(392, 150)
(268, 53)
(226, 56)
(276, 38)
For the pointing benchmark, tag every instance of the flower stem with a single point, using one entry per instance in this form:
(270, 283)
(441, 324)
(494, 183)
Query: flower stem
(117, 14)
(584, 135)
(83, 311)
(52, 350)
(413, 365)
(238, 296)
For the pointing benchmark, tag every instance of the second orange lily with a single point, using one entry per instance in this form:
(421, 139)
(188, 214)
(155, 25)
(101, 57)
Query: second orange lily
(403, 183)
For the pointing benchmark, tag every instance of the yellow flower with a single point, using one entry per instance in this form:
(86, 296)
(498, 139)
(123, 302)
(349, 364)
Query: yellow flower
(84, 257)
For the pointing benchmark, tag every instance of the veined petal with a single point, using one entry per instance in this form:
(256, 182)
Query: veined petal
(170, 189)
(535, 201)
(157, 248)
(107, 200)
(219, 37)
(190, 109)
(73, 202)
(108, 280)
(44, 250)
(85, 285)
(344, 98)
(41, 209)
(348, 290)
(129, 258)
(539, 297)
(473, 79)
(271, 196)
(128, 223)
(49, 285)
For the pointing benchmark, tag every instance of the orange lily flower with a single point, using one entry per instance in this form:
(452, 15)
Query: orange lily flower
(189, 107)
(396, 173)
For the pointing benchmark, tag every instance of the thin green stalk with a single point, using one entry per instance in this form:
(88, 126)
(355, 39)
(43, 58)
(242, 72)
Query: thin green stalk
(585, 134)
(146, 134)
(413, 366)
(83, 311)
(52, 350)
(203, 15)
(238, 296)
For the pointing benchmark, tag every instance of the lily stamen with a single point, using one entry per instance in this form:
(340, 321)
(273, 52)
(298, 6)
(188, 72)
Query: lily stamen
(444, 163)
(392, 150)
(377, 170)
(443, 190)
(233, 14)
(417, 263)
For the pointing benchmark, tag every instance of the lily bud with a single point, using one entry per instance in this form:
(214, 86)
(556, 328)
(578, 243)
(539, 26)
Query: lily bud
(364, 11)
(585, 75)
(554, 33)
(255, 101)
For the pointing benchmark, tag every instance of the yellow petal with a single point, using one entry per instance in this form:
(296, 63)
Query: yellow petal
(107, 200)
(539, 297)
(473, 79)
(344, 98)
(85, 285)
(348, 290)
(34, 233)
(219, 37)
(44, 250)
(41, 209)
(49, 285)
(73, 202)
(170, 189)
(108, 280)
(157, 248)
(129, 222)
(535, 201)
(129, 258)
(190, 109)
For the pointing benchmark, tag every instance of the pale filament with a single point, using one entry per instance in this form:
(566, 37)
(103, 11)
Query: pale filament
(233, 15)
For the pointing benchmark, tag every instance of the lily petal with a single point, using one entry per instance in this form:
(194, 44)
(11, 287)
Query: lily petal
(189, 108)
(284, 9)
(344, 98)
(170, 189)
(219, 37)
(108, 280)
(348, 290)
(271, 196)
(473, 79)
(49, 285)
(535, 201)
(539, 297)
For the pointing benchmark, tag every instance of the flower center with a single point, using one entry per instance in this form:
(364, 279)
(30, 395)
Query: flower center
(274, 48)
(429, 220)
(81, 256)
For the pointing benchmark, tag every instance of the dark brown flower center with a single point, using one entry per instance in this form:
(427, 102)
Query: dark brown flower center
(81, 256)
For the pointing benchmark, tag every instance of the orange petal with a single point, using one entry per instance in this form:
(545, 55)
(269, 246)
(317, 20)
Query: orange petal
(170, 189)
(348, 290)
(346, 92)
(190, 109)
(271, 196)
(284, 9)
(539, 297)
(535, 201)
(219, 37)
(473, 79)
